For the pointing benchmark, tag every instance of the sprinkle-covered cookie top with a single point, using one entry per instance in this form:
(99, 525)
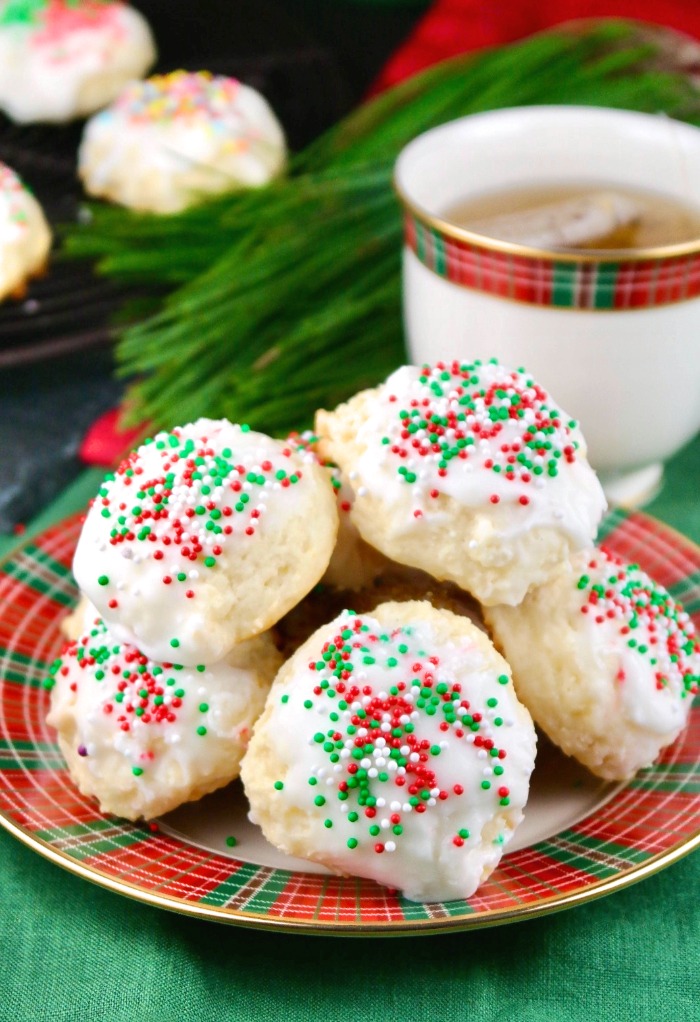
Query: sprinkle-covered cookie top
(53, 18)
(134, 693)
(183, 544)
(458, 418)
(400, 731)
(181, 97)
(192, 492)
(655, 634)
(144, 736)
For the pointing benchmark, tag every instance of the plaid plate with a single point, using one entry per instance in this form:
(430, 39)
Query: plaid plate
(648, 824)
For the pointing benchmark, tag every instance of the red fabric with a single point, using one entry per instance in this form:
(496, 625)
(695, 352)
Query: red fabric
(457, 26)
(104, 442)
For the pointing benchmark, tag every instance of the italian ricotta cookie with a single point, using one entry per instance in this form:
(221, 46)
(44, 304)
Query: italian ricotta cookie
(354, 564)
(393, 746)
(172, 140)
(144, 737)
(63, 59)
(468, 471)
(204, 537)
(81, 619)
(25, 236)
(611, 674)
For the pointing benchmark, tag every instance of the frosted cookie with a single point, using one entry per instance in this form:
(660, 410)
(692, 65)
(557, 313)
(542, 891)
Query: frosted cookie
(144, 737)
(354, 564)
(605, 660)
(63, 59)
(468, 471)
(25, 236)
(81, 619)
(395, 584)
(204, 537)
(393, 746)
(169, 142)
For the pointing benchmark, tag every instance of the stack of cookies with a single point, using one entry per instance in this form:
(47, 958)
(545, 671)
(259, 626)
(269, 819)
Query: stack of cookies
(396, 741)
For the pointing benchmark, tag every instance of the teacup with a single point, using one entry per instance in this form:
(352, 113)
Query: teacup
(613, 335)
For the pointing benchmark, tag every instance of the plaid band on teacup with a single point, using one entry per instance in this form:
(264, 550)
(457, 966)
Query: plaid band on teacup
(552, 282)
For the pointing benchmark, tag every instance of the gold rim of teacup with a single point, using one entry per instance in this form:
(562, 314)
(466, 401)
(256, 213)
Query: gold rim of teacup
(610, 255)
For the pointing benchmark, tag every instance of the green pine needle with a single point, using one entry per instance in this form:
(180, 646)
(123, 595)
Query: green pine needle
(279, 300)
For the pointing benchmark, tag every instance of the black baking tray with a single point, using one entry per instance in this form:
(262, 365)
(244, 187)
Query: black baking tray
(312, 59)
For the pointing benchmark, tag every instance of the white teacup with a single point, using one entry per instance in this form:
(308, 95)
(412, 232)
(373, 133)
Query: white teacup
(614, 336)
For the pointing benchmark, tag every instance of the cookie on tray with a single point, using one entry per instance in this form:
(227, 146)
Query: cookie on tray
(170, 141)
(393, 746)
(25, 236)
(144, 737)
(468, 471)
(64, 59)
(204, 537)
(605, 660)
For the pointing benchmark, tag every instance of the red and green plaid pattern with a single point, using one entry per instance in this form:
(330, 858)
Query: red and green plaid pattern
(564, 284)
(645, 825)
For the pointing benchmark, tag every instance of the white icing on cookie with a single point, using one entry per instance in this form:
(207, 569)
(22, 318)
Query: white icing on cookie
(204, 537)
(170, 141)
(144, 737)
(60, 60)
(25, 237)
(468, 471)
(393, 746)
(614, 667)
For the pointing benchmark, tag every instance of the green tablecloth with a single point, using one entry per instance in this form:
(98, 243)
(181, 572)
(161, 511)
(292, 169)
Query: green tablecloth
(75, 951)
